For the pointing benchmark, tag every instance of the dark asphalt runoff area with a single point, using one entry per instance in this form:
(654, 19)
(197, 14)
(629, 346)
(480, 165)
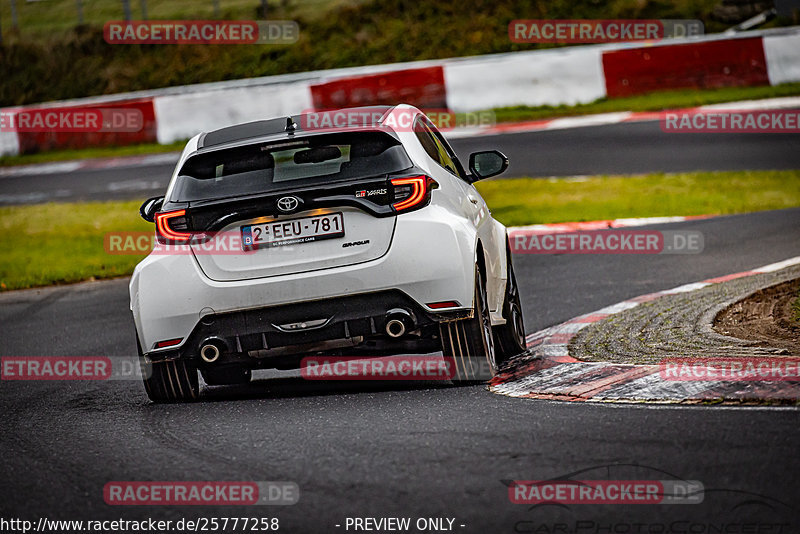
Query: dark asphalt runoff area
(628, 148)
(419, 450)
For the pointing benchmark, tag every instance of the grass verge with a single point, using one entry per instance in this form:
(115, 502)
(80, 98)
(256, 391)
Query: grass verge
(520, 201)
(61, 243)
(90, 153)
(657, 101)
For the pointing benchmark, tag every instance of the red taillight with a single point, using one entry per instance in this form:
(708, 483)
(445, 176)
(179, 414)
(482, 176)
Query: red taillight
(420, 187)
(445, 304)
(168, 343)
(165, 230)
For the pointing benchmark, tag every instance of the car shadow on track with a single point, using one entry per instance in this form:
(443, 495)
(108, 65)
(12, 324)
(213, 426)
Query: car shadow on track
(296, 387)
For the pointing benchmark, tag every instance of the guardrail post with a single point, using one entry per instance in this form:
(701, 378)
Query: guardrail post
(126, 8)
(14, 19)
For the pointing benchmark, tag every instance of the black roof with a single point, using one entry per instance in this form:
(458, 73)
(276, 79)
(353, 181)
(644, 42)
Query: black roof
(277, 126)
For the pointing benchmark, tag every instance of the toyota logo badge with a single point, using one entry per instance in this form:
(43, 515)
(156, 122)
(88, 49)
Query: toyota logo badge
(287, 204)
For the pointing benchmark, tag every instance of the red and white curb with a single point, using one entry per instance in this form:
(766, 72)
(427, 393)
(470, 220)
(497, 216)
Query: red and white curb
(557, 375)
(64, 167)
(605, 224)
(601, 119)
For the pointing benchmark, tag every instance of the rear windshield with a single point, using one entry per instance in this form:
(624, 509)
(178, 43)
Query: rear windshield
(264, 168)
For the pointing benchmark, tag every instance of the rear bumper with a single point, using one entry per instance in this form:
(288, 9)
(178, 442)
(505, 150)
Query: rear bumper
(260, 337)
(430, 260)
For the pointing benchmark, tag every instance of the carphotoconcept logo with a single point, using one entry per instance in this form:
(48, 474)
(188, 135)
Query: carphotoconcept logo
(201, 32)
(587, 501)
(612, 241)
(601, 31)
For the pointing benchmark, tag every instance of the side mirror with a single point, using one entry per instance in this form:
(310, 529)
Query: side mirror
(487, 163)
(150, 207)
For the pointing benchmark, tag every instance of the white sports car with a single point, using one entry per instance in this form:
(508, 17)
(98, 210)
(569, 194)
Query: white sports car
(291, 237)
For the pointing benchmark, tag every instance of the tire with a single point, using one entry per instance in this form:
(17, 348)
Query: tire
(469, 342)
(227, 375)
(510, 337)
(170, 381)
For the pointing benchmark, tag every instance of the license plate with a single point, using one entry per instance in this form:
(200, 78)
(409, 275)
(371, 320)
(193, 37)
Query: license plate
(293, 231)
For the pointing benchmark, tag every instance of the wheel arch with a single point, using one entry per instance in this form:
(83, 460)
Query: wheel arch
(480, 260)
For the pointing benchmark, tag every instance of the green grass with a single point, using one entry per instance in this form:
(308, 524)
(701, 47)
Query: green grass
(61, 243)
(42, 19)
(796, 307)
(529, 201)
(656, 101)
(87, 153)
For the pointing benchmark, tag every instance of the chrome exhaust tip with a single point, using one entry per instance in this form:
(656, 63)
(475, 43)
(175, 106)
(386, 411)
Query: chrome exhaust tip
(209, 353)
(395, 328)
(398, 322)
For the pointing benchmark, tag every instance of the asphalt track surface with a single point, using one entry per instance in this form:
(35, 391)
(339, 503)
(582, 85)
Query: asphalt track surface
(407, 450)
(627, 148)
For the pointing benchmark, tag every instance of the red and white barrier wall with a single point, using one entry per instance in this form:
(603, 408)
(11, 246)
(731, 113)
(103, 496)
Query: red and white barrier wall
(571, 75)
(783, 57)
(182, 116)
(75, 133)
(710, 64)
(543, 77)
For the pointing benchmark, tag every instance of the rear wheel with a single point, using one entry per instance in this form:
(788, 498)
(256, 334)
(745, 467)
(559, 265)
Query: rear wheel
(170, 381)
(469, 342)
(510, 337)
